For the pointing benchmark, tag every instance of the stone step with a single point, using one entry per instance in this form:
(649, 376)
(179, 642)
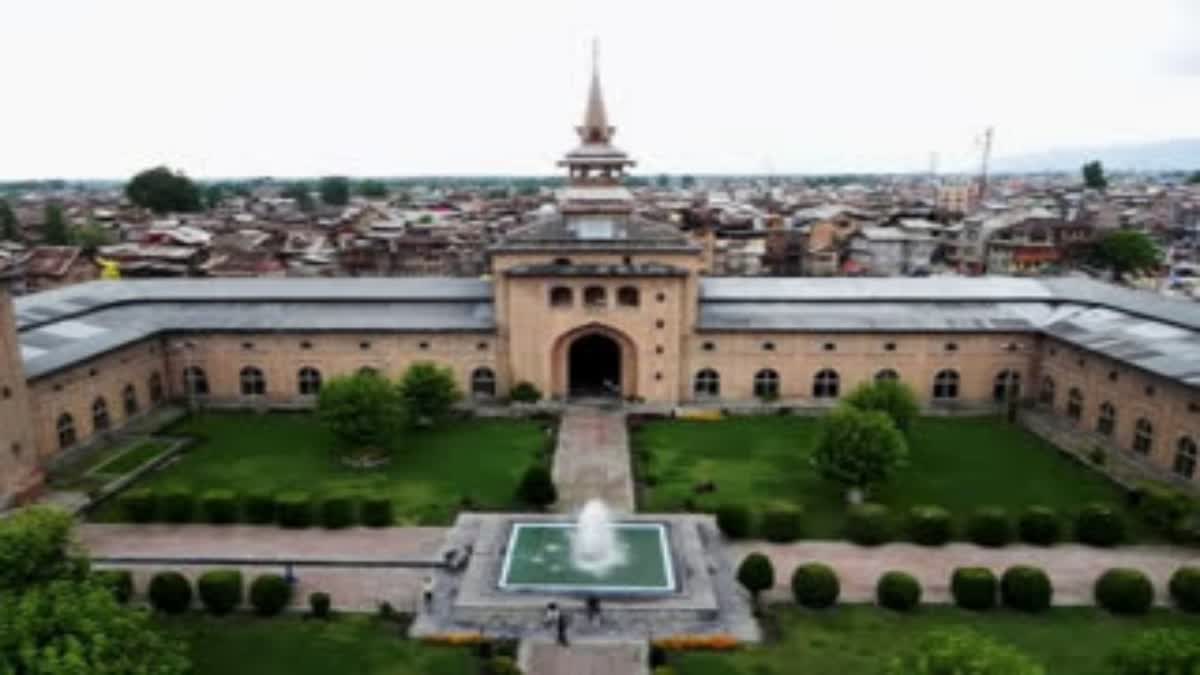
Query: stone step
(583, 657)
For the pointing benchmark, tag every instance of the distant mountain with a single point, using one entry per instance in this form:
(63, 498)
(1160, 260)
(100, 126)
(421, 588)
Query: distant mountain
(1174, 155)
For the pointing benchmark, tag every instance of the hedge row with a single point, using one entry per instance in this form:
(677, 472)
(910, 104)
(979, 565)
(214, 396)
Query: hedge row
(1021, 587)
(220, 592)
(873, 524)
(288, 509)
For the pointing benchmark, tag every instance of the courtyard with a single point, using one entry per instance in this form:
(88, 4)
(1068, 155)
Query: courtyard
(958, 463)
(433, 473)
(857, 640)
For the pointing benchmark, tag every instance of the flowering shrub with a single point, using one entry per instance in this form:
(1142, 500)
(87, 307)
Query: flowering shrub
(718, 642)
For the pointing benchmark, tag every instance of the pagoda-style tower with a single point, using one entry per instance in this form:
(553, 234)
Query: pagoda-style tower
(596, 167)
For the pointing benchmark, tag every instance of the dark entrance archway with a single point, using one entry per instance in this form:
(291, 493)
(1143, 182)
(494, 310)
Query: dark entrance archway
(594, 366)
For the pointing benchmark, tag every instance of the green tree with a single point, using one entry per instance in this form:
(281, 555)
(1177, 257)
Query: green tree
(90, 237)
(373, 189)
(891, 397)
(335, 190)
(214, 194)
(301, 192)
(1093, 175)
(428, 392)
(1194, 179)
(36, 547)
(361, 410)
(662, 181)
(1127, 251)
(687, 181)
(164, 191)
(959, 651)
(54, 226)
(859, 448)
(9, 227)
(756, 574)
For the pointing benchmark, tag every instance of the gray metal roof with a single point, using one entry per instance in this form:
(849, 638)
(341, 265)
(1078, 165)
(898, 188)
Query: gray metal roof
(556, 232)
(64, 327)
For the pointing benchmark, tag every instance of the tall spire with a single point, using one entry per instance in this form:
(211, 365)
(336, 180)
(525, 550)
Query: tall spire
(595, 127)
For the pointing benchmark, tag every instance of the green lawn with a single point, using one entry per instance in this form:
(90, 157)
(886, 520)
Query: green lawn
(107, 464)
(857, 640)
(430, 473)
(354, 645)
(132, 458)
(958, 463)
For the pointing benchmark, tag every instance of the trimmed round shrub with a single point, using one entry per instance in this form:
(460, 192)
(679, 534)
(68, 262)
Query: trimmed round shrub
(294, 509)
(337, 511)
(782, 524)
(869, 524)
(270, 594)
(974, 588)
(170, 592)
(756, 574)
(734, 520)
(815, 585)
(929, 525)
(120, 582)
(320, 604)
(1122, 590)
(537, 487)
(1039, 525)
(140, 505)
(219, 507)
(989, 526)
(1185, 588)
(1099, 525)
(178, 506)
(259, 508)
(375, 511)
(525, 392)
(1026, 588)
(220, 591)
(899, 591)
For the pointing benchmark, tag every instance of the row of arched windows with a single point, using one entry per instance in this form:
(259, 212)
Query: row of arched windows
(68, 435)
(1142, 440)
(594, 296)
(826, 383)
(252, 382)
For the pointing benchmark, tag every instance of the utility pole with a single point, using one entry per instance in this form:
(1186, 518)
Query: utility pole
(983, 168)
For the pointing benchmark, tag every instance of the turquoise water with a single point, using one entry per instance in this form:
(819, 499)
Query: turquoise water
(539, 557)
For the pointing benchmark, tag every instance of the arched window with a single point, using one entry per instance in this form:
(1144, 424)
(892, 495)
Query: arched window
(1006, 386)
(66, 431)
(766, 384)
(195, 381)
(309, 380)
(628, 296)
(1075, 404)
(945, 385)
(561, 296)
(156, 388)
(253, 382)
(825, 384)
(1107, 421)
(483, 383)
(1046, 394)
(887, 375)
(708, 383)
(129, 398)
(595, 296)
(100, 419)
(1185, 457)
(1143, 436)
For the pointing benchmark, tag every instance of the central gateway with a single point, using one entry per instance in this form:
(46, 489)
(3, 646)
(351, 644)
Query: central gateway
(594, 366)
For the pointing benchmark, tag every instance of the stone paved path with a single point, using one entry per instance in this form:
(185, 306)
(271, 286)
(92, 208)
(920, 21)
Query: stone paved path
(1073, 568)
(352, 589)
(583, 658)
(592, 459)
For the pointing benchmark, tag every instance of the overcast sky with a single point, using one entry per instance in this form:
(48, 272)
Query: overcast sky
(102, 88)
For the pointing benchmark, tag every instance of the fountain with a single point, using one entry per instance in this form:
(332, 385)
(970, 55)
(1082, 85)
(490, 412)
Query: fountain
(594, 546)
(592, 555)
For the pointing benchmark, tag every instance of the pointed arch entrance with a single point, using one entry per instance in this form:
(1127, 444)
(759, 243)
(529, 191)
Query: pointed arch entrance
(595, 361)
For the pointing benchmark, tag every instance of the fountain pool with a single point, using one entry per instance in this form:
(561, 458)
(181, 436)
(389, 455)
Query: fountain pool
(574, 558)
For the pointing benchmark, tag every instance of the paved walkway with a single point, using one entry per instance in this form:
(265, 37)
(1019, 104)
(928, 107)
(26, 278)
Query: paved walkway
(1073, 568)
(592, 459)
(351, 588)
(583, 658)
